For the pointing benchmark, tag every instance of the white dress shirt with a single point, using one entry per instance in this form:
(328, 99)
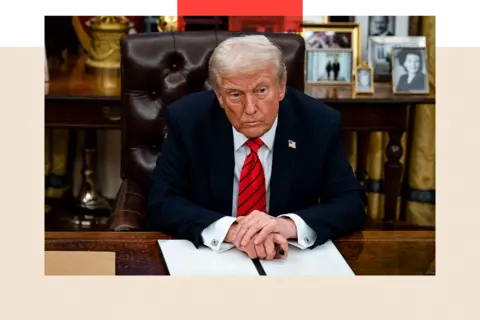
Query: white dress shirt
(214, 235)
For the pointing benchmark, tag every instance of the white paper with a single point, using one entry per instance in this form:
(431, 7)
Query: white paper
(183, 259)
(324, 260)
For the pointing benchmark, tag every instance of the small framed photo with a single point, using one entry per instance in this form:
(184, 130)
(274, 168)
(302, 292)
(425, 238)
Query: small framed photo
(380, 53)
(329, 66)
(364, 83)
(409, 73)
(381, 26)
(333, 35)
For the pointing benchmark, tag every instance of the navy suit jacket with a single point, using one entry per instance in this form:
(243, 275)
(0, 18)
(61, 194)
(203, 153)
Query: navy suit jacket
(192, 183)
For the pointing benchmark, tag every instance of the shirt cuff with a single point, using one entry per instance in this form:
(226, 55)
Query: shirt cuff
(306, 237)
(214, 235)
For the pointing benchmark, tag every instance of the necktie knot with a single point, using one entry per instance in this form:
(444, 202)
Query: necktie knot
(254, 144)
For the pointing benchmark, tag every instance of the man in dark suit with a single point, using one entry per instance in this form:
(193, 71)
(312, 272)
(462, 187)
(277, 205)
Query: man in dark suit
(253, 163)
(336, 69)
(328, 68)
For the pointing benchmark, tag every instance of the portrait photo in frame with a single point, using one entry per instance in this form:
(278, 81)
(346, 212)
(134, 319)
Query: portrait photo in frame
(381, 26)
(333, 35)
(409, 72)
(380, 53)
(329, 66)
(364, 82)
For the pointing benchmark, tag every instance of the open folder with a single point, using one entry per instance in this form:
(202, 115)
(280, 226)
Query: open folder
(183, 259)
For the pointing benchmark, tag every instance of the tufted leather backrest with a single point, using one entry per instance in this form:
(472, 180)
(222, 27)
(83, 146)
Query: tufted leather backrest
(160, 68)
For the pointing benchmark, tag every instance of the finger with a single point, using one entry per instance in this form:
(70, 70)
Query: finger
(282, 244)
(243, 228)
(266, 230)
(250, 251)
(260, 250)
(246, 223)
(270, 247)
(253, 230)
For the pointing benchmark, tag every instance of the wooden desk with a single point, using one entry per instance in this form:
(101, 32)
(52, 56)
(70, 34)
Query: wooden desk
(367, 253)
(76, 99)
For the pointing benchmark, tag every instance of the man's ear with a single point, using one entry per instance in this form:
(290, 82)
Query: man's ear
(282, 91)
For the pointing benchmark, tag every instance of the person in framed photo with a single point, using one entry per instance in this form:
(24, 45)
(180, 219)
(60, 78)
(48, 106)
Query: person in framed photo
(329, 66)
(335, 68)
(410, 70)
(364, 83)
(380, 26)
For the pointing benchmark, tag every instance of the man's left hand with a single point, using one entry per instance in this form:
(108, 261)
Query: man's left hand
(263, 224)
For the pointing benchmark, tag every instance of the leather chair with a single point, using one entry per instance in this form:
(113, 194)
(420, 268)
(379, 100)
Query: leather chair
(158, 69)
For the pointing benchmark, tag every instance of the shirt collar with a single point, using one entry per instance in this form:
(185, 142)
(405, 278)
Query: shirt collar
(268, 138)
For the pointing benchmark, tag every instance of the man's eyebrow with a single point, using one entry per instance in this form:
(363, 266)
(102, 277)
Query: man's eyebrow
(232, 87)
(261, 82)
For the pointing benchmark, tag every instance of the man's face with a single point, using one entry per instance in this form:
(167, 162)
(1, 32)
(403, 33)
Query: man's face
(251, 102)
(380, 24)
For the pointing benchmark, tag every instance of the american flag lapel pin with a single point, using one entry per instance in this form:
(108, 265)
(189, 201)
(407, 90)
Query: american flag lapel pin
(292, 144)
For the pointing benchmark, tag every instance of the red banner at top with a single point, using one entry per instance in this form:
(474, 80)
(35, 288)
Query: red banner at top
(239, 8)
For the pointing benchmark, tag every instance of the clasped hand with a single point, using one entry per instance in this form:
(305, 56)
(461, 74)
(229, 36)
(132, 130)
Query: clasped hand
(258, 234)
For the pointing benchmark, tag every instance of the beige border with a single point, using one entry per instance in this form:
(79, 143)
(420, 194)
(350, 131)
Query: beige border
(28, 294)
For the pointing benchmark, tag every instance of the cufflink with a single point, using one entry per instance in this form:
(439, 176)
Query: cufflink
(307, 240)
(214, 242)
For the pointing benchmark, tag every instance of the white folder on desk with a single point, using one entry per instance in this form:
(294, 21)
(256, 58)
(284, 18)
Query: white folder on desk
(324, 260)
(183, 259)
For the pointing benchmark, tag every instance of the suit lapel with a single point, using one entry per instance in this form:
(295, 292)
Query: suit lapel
(283, 165)
(222, 162)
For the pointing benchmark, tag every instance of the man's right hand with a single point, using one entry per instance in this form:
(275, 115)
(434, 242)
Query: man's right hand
(265, 250)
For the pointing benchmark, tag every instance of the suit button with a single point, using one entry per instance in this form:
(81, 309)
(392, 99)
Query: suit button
(214, 242)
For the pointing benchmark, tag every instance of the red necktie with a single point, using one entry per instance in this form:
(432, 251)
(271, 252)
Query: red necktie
(252, 190)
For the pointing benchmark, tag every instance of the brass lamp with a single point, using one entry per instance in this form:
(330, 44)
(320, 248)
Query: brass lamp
(105, 35)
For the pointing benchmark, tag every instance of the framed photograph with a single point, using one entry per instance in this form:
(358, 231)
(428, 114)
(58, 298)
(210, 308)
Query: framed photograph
(381, 26)
(409, 73)
(371, 24)
(329, 66)
(333, 35)
(364, 83)
(380, 52)
(315, 19)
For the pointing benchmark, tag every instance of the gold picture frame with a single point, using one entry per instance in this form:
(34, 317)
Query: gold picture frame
(420, 84)
(353, 42)
(359, 76)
